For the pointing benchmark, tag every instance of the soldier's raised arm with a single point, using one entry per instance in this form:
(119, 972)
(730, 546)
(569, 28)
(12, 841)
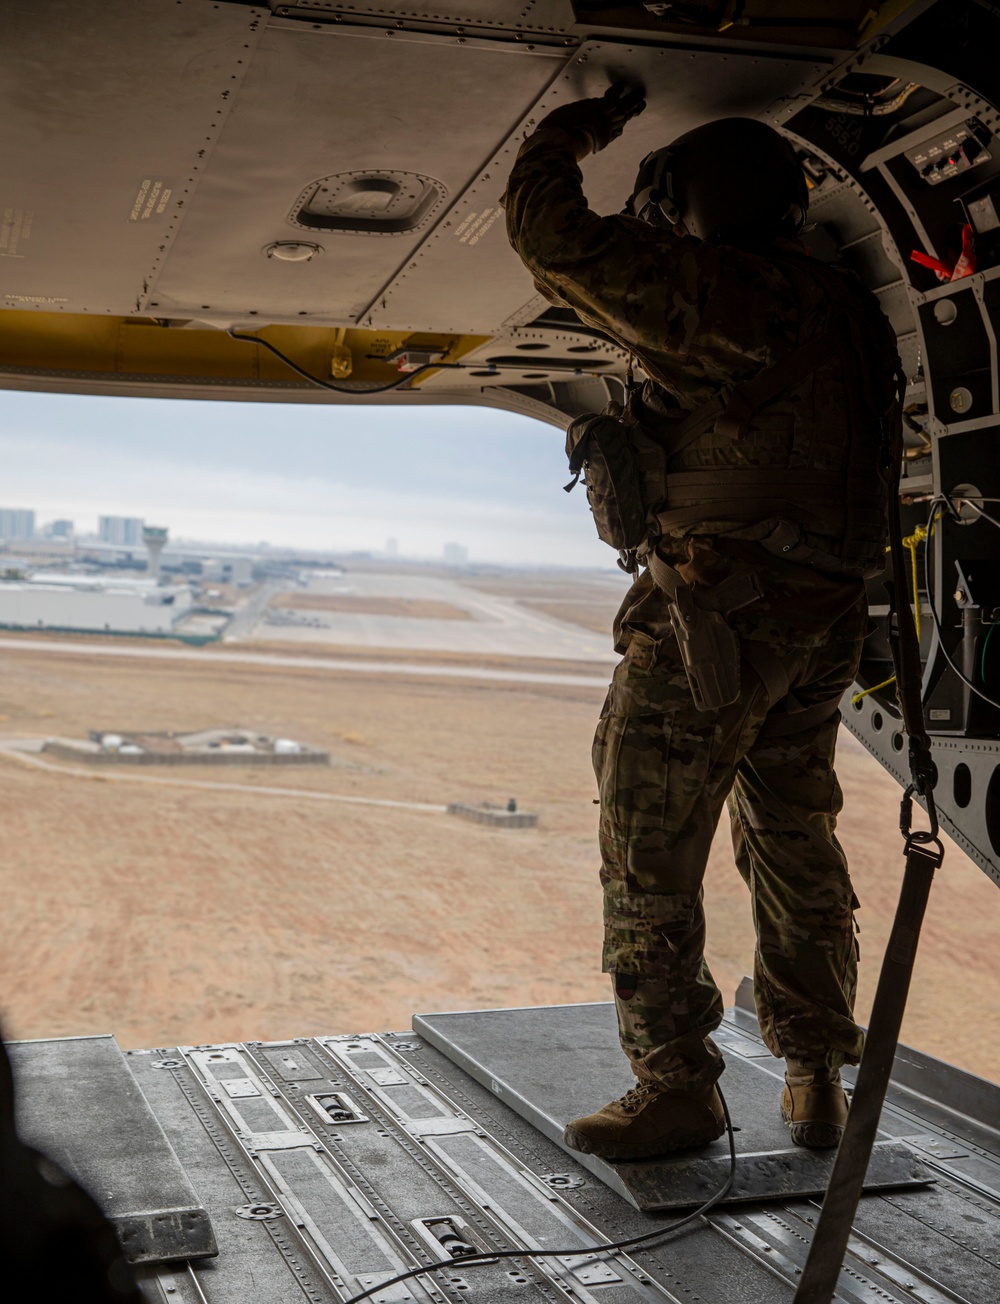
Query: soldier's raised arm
(566, 246)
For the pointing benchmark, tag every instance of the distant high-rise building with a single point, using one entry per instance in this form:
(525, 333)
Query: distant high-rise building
(17, 523)
(59, 530)
(392, 547)
(455, 554)
(125, 531)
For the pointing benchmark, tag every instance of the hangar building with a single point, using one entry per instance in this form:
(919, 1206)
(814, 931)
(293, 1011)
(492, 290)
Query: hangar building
(93, 604)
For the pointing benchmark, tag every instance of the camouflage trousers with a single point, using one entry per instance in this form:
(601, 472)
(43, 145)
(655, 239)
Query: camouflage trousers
(665, 770)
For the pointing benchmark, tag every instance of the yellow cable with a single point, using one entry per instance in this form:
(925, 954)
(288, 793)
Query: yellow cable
(912, 542)
(874, 689)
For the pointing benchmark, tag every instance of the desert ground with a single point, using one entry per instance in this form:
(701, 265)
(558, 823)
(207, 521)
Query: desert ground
(235, 904)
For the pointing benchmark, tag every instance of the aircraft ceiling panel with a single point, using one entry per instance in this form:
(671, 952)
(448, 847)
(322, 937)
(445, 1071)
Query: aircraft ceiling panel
(351, 107)
(540, 16)
(465, 276)
(123, 100)
(528, 355)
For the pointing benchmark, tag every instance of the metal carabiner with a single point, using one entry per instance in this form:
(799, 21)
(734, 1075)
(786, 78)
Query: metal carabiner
(927, 838)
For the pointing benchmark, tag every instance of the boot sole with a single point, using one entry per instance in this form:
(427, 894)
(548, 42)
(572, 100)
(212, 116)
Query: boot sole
(636, 1150)
(815, 1136)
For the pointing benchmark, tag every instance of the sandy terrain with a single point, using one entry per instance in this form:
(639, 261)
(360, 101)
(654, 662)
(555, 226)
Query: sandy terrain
(172, 913)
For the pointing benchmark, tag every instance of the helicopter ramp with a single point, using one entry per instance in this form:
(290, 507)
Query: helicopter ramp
(330, 1164)
(582, 1068)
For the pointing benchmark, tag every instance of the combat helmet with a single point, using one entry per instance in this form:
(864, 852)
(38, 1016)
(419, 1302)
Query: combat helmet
(733, 181)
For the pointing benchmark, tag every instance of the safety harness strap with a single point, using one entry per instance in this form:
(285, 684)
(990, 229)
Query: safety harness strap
(750, 509)
(747, 494)
(769, 383)
(708, 645)
(663, 575)
(731, 413)
(792, 717)
(735, 591)
(786, 714)
(772, 673)
(703, 479)
(924, 854)
(826, 1255)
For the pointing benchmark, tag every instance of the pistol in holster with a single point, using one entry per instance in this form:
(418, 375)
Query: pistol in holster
(709, 646)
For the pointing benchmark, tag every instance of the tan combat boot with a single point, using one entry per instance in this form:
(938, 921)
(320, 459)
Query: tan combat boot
(649, 1120)
(813, 1104)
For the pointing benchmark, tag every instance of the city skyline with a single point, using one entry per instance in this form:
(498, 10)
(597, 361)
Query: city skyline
(130, 532)
(332, 479)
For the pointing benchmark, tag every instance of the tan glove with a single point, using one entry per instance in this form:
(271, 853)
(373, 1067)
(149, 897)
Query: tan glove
(596, 123)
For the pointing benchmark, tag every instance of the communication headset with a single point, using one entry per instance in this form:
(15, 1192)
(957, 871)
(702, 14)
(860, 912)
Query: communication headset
(732, 179)
(653, 198)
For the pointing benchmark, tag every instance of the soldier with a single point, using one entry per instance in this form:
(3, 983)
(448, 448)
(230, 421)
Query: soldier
(761, 454)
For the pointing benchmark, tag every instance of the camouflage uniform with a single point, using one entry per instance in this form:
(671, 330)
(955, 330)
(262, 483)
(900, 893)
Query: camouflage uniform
(701, 316)
(664, 771)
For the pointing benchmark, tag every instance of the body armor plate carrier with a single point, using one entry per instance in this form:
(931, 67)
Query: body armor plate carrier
(806, 513)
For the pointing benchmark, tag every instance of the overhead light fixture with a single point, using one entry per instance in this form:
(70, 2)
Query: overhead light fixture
(292, 251)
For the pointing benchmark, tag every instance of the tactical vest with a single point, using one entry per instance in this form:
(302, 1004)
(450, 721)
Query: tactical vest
(799, 458)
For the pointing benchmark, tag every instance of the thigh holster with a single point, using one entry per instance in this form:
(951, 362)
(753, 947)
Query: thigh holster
(709, 646)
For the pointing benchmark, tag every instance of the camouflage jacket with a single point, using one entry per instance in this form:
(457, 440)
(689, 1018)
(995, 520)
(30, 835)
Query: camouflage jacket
(699, 317)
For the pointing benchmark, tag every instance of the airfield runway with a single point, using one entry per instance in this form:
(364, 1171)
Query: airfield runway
(480, 623)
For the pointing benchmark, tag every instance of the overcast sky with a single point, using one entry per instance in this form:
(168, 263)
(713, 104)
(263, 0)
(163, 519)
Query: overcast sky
(339, 478)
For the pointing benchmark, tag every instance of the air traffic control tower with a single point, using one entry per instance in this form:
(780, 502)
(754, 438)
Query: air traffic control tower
(155, 538)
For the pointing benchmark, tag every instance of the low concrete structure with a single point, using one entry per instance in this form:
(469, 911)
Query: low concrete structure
(94, 604)
(500, 817)
(209, 747)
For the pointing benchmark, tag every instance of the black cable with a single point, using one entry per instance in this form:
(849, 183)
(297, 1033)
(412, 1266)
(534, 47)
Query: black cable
(465, 1260)
(346, 389)
(942, 498)
(410, 375)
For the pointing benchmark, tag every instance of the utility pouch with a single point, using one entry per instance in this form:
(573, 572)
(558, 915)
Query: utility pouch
(601, 448)
(709, 648)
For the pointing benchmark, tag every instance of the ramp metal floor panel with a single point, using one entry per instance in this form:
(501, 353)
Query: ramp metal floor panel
(554, 1063)
(328, 1164)
(78, 1103)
